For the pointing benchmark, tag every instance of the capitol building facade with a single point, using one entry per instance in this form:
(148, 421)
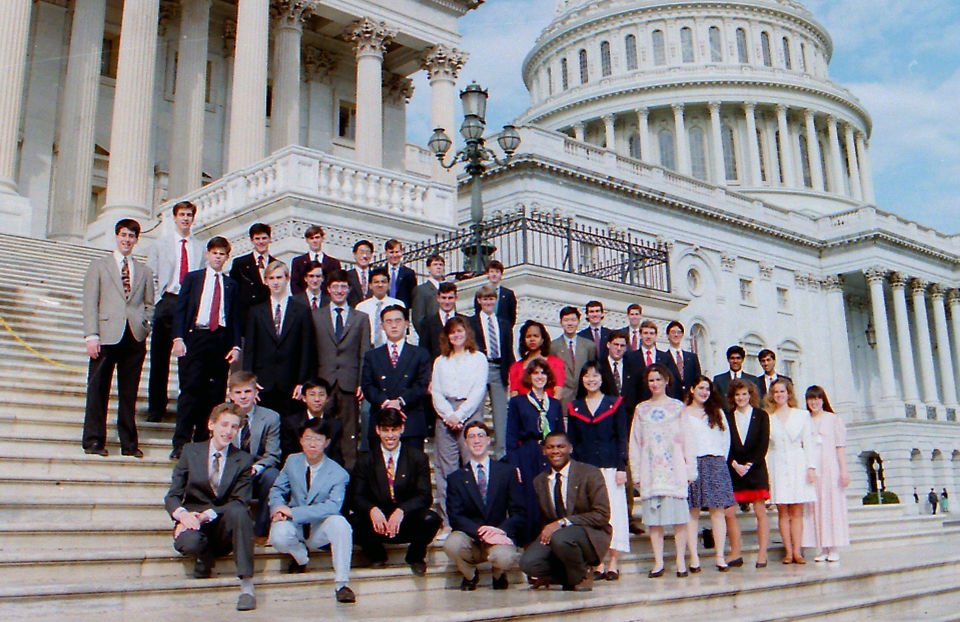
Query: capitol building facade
(709, 131)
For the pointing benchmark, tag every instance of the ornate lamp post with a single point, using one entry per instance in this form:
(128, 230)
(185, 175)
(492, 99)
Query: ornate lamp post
(476, 157)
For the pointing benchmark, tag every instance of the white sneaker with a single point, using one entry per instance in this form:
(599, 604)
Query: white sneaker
(833, 557)
(821, 558)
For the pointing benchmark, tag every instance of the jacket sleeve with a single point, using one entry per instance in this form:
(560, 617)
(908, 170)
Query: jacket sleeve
(456, 498)
(513, 430)
(243, 489)
(250, 342)
(308, 350)
(371, 389)
(599, 513)
(271, 436)
(91, 301)
(280, 491)
(423, 497)
(331, 504)
(516, 508)
(362, 493)
(418, 390)
(621, 426)
(180, 319)
(178, 485)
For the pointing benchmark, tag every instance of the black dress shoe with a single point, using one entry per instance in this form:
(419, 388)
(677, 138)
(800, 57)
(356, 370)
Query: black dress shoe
(155, 417)
(501, 582)
(636, 530)
(202, 570)
(695, 569)
(682, 575)
(470, 585)
(136, 453)
(611, 575)
(655, 574)
(597, 575)
(378, 564)
(735, 563)
(97, 451)
(418, 568)
(294, 568)
(345, 595)
(175, 454)
(540, 583)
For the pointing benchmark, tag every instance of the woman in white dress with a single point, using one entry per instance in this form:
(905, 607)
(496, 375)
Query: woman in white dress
(792, 461)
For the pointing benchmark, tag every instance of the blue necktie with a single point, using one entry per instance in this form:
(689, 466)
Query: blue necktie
(482, 482)
(338, 328)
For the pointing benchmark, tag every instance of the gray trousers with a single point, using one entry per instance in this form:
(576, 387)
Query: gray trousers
(448, 451)
(498, 404)
(287, 537)
(467, 554)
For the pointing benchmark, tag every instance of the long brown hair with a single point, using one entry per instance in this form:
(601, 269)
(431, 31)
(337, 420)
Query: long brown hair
(446, 349)
(770, 406)
(713, 406)
(816, 391)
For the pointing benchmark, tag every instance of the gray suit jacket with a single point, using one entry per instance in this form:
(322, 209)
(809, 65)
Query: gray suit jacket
(264, 437)
(587, 503)
(325, 497)
(424, 305)
(585, 351)
(106, 311)
(340, 360)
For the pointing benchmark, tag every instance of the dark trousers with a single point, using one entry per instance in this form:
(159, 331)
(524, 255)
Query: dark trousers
(161, 345)
(262, 483)
(419, 528)
(126, 356)
(345, 406)
(279, 400)
(203, 383)
(231, 531)
(566, 560)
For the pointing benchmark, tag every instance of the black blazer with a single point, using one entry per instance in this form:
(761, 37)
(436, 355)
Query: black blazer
(188, 303)
(752, 450)
(506, 306)
(357, 294)
(722, 382)
(762, 383)
(298, 268)
(506, 344)
(406, 283)
(409, 380)
(429, 331)
(412, 490)
(282, 361)
(504, 507)
(290, 435)
(587, 333)
(691, 369)
(638, 360)
(190, 483)
(253, 290)
(600, 438)
(632, 378)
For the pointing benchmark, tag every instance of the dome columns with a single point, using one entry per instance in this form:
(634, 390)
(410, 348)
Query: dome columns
(813, 150)
(753, 149)
(719, 173)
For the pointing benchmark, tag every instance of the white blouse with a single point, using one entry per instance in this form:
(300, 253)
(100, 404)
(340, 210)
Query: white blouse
(459, 377)
(708, 441)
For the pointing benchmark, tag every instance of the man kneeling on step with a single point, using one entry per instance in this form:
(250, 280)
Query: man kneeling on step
(305, 504)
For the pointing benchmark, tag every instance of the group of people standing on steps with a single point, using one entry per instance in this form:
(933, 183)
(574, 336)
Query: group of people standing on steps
(335, 378)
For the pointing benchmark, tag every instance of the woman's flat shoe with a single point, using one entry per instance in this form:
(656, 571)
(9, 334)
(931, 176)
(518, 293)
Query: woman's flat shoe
(735, 563)
(833, 557)
(655, 574)
(682, 575)
(723, 568)
(820, 558)
(761, 564)
(695, 569)
(800, 561)
(598, 576)
(612, 575)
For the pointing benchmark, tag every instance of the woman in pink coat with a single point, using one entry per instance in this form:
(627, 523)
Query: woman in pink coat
(831, 527)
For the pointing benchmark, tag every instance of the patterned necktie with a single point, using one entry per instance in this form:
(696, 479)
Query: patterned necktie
(214, 322)
(680, 364)
(635, 341)
(313, 303)
(573, 354)
(649, 359)
(307, 526)
(494, 339)
(215, 473)
(377, 326)
(125, 278)
(245, 436)
(393, 282)
(277, 320)
(617, 378)
(184, 260)
(482, 482)
(338, 327)
(394, 355)
(391, 475)
(558, 503)
(596, 339)
(363, 283)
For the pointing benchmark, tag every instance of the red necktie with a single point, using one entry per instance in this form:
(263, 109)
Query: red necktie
(313, 303)
(184, 261)
(214, 322)
(394, 355)
(634, 343)
(680, 364)
(649, 359)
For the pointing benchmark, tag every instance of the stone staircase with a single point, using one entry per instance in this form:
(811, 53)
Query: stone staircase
(84, 535)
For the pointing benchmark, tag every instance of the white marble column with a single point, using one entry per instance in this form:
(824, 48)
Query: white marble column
(928, 379)
(579, 131)
(70, 207)
(753, 147)
(189, 107)
(937, 294)
(609, 131)
(813, 150)
(875, 278)
(953, 301)
(838, 183)
(15, 25)
(786, 148)
(130, 175)
(855, 187)
(229, 53)
(248, 102)
(866, 172)
(643, 129)
(839, 341)
(369, 40)
(908, 374)
(442, 64)
(683, 148)
(716, 138)
(288, 18)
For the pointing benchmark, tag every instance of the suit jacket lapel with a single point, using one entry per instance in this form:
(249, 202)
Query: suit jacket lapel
(287, 319)
(256, 431)
(402, 362)
(314, 489)
(110, 265)
(474, 488)
(349, 323)
(326, 322)
(230, 470)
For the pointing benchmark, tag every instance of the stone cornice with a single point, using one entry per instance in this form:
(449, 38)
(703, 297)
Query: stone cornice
(461, 7)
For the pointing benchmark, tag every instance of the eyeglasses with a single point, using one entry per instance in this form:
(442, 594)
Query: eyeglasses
(339, 287)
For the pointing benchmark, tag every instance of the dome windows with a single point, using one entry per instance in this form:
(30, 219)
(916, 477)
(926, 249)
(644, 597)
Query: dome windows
(805, 162)
(659, 48)
(564, 74)
(742, 55)
(787, 60)
(686, 44)
(606, 65)
(630, 46)
(698, 153)
(730, 168)
(765, 49)
(716, 45)
(667, 155)
(584, 67)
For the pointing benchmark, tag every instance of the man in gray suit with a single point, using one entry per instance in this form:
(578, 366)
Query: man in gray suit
(260, 437)
(424, 302)
(575, 352)
(343, 337)
(305, 503)
(118, 300)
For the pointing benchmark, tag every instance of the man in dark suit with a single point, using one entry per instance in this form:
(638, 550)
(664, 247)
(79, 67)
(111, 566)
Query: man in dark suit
(314, 395)
(574, 350)
(721, 382)
(392, 496)
(647, 355)
(314, 236)
(343, 338)
(208, 498)
(424, 302)
(315, 295)
(396, 375)
(575, 511)
(247, 271)
(403, 280)
(486, 510)
(768, 361)
(634, 319)
(445, 305)
(494, 337)
(595, 332)
(506, 306)
(684, 365)
(206, 339)
(359, 274)
(280, 347)
(117, 308)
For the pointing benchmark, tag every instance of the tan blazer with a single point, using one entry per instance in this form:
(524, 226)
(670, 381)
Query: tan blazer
(106, 311)
(585, 351)
(588, 504)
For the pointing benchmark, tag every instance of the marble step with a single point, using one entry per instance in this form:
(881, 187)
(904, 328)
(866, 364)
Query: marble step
(84, 487)
(67, 510)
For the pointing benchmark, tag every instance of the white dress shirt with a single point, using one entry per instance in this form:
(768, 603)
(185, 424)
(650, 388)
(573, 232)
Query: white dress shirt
(370, 306)
(395, 454)
(206, 299)
(459, 377)
(564, 486)
(709, 441)
(333, 313)
(743, 422)
(164, 259)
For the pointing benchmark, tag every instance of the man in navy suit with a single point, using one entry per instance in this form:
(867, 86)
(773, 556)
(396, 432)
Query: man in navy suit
(736, 355)
(486, 510)
(594, 332)
(403, 280)
(432, 325)
(396, 375)
(645, 356)
(684, 365)
(206, 339)
(506, 306)
(305, 504)
(247, 271)
(359, 275)
(487, 328)
(768, 361)
(314, 236)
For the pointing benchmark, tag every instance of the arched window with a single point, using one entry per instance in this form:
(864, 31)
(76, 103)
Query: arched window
(716, 45)
(787, 61)
(698, 153)
(659, 48)
(667, 159)
(564, 74)
(729, 154)
(805, 162)
(763, 156)
(630, 44)
(606, 66)
(803, 57)
(742, 55)
(765, 49)
(634, 146)
(823, 167)
(550, 80)
(686, 44)
(584, 68)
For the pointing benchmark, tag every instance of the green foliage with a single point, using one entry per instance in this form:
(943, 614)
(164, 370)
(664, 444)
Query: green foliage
(888, 498)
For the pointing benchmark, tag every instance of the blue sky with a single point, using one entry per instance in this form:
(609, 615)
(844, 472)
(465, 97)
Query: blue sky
(902, 59)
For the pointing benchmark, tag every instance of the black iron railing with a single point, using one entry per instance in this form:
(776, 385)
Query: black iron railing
(549, 241)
